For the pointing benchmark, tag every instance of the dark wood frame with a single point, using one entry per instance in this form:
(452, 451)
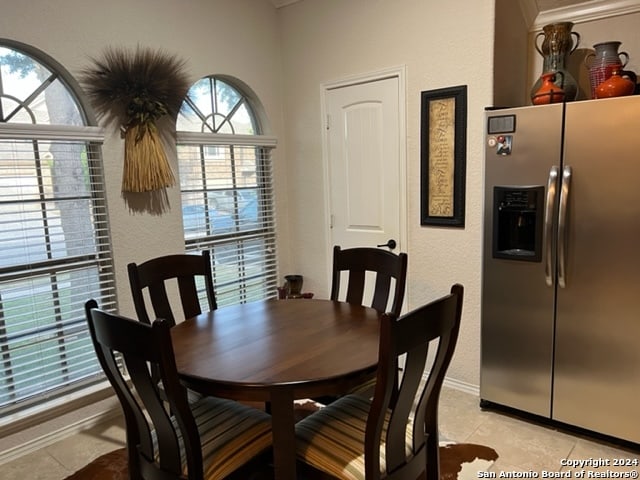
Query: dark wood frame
(459, 125)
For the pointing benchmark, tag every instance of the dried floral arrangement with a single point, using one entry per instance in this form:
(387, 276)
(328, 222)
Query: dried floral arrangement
(135, 88)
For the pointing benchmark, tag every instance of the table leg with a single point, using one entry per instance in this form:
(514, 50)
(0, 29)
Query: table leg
(283, 425)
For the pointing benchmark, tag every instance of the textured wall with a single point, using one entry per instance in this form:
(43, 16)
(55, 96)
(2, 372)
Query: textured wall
(233, 37)
(441, 44)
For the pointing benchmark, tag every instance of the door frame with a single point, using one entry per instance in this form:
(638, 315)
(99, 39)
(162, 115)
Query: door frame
(398, 72)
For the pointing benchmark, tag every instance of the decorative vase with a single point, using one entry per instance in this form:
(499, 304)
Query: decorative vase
(293, 286)
(603, 61)
(556, 47)
(548, 92)
(617, 85)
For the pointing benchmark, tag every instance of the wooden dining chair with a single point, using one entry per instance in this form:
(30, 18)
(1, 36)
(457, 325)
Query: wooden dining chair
(386, 266)
(208, 439)
(389, 436)
(153, 276)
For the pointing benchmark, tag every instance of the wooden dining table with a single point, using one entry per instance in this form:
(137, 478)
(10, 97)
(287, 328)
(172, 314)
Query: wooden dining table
(276, 351)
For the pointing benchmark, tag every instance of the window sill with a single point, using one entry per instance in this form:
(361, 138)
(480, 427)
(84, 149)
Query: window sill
(19, 421)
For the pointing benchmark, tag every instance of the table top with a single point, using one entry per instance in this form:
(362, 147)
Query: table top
(313, 347)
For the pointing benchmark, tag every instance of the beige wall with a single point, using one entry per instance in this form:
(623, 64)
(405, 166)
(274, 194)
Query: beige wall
(232, 37)
(510, 81)
(284, 56)
(440, 44)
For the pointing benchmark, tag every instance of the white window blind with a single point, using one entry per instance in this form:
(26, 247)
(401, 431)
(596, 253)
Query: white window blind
(227, 208)
(54, 255)
(226, 180)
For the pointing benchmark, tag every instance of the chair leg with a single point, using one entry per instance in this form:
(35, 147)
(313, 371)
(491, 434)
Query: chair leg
(433, 458)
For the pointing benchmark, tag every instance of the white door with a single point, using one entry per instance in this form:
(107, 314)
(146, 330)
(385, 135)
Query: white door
(366, 163)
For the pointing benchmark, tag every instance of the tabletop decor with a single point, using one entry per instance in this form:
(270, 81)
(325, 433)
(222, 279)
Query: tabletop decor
(135, 89)
(443, 156)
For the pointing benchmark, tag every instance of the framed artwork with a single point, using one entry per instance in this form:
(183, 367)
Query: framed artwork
(443, 152)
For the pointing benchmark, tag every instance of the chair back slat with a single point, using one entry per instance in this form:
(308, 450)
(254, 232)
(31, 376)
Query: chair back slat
(355, 286)
(153, 276)
(387, 267)
(415, 402)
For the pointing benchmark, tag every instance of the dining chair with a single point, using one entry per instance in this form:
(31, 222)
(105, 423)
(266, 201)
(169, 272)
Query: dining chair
(153, 276)
(386, 266)
(389, 436)
(209, 439)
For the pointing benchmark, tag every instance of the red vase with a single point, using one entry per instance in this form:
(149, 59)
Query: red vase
(617, 85)
(548, 92)
(603, 61)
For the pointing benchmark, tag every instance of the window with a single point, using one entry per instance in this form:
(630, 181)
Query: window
(227, 194)
(54, 235)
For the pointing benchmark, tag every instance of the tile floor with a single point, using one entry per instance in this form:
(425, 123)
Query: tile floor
(521, 446)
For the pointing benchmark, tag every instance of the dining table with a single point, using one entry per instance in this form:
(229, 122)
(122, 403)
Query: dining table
(277, 351)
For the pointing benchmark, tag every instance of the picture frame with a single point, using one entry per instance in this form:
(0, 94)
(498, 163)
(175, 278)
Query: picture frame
(443, 152)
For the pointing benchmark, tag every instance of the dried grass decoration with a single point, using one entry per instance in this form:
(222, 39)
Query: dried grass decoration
(135, 89)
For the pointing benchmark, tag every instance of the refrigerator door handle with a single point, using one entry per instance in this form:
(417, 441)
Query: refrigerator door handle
(562, 227)
(552, 184)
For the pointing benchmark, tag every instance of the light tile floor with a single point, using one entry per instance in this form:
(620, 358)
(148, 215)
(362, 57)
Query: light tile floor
(522, 446)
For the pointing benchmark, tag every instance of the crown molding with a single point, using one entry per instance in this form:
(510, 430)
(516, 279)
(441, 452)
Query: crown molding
(584, 12)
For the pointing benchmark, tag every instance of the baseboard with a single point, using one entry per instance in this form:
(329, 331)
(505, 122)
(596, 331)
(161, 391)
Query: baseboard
(469, 388)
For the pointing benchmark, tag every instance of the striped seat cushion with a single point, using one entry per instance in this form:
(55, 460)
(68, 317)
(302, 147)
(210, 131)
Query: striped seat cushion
(192, 395)
(231, 434)
(365, 389)
(332, 439)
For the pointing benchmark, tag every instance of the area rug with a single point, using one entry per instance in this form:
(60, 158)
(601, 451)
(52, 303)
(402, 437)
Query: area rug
(463, 461)
(458, 461)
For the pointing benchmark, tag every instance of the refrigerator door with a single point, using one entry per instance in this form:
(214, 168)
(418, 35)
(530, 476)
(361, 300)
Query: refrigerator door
(597, 359)
(517, 302)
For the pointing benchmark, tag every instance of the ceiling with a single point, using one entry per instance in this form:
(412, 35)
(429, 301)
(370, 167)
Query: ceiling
(538, 13)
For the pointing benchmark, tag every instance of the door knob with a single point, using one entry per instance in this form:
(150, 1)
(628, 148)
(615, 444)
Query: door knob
(391, 244)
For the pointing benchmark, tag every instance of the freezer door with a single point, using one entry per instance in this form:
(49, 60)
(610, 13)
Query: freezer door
(517, 302)
(597, 359)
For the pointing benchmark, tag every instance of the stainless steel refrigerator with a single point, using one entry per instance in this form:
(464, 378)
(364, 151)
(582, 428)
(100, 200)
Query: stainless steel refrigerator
(561, 269)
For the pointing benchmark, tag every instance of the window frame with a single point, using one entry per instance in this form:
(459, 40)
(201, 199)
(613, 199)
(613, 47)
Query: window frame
(99, 260)
(238, 289)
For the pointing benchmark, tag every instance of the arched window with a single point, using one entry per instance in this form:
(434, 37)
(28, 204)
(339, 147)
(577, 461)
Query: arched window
(226, 184)
(54, 236)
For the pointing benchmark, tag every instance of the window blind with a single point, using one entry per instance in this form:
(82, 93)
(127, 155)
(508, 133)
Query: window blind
(228, 208)
(54, 255)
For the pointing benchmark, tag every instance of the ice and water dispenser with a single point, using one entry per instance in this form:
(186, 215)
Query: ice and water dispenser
(518, 217)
